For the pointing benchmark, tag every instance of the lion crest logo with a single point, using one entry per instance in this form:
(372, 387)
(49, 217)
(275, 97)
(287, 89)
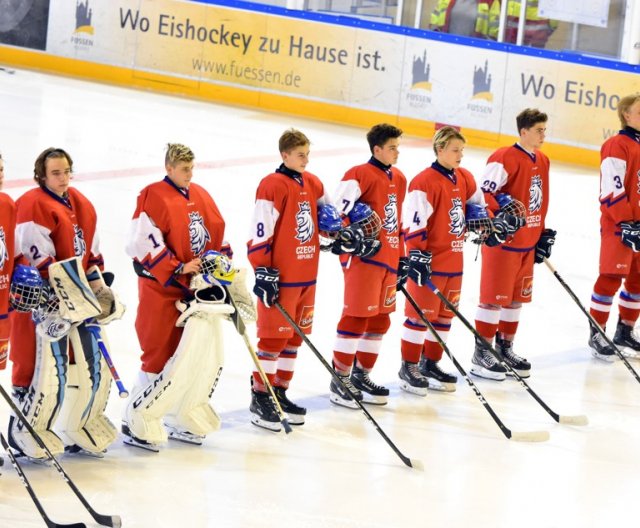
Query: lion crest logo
(198, 233)
(304, 223)
(391, 214)
(79, 245)
(535, 194)
(456, 214)
(4, 254)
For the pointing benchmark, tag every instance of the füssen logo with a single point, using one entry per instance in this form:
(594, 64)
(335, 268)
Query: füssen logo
(198, 233)
(482, 98)
(535, 194)
(4, 254)
(79, 245)
(391, 214)
(83, 34)
(304, 223)
(419, 95)
(456, 214)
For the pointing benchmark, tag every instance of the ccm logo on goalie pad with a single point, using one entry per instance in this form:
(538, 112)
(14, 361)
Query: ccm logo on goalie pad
(138, 401)
(62, 294)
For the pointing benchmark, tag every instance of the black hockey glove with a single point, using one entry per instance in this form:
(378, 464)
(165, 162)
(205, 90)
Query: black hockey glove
(499, 232)
(266, 287)
(403, 272)
(513, 222)
(630, 232)
(545, 242)
(369, 247)
(349, 240)
(419, 266)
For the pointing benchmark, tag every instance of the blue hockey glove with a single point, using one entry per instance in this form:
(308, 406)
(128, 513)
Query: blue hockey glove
(419, 266)
(545, 242)
(369, 247)
(349, 240)
(403, 272)
(499, 232)
(513, 222)
(630, 232)
(266, 287)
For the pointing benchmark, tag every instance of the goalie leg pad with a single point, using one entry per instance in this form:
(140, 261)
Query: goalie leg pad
(42, 401)
(82, 421)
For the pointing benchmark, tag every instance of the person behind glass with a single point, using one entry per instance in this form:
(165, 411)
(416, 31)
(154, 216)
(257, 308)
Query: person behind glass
(521, 172)
(619, 234)
(371, 192)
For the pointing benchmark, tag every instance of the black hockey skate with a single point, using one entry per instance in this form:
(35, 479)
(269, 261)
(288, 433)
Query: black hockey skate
(77, 450)
(295, 412)
(412, 380)
(626, 337)
(186, 437)
(339, 396)
(485, 365)
(517, 363)
(600, 349)
(371, 392)
(134, 441)
(263, 413)
(439, 380)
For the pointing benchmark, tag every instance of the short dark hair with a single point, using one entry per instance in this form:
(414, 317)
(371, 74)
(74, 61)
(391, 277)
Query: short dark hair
(39, 168)
(380, 134)
(529, 117)
(291, 139)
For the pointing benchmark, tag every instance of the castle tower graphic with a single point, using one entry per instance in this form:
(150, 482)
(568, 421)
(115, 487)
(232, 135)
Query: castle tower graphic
(83, 18)
(420, 73)
(482, 83)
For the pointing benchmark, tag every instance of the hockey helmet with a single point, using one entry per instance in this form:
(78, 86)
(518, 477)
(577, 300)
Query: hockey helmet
(329, 218)
(509, 205)
(366, 218)
(26, 291)
(477, 221)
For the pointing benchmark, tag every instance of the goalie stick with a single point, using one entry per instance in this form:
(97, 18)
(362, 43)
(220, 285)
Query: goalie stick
(103, 520)
(31, 492)
(242, 330)
(592, 320)
(94, 328)
(567, 420)
(531, 436)
(412, 463)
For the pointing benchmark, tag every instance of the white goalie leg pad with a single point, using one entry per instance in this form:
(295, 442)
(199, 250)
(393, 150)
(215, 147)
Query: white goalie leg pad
(82, 420)
(77, 300)
(43, 400)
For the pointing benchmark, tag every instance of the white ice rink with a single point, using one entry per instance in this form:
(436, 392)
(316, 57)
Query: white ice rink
(335, 471)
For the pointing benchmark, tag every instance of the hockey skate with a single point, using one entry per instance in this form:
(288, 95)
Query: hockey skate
(625, 338)
(371, 392)
(77, 450)
(339, 396)
(439, 380)
(517, 363)
(130, 439)
(263, 413)
(600, 349)
(485, 365)
(183, 436)
(412, 380)
(296, 413)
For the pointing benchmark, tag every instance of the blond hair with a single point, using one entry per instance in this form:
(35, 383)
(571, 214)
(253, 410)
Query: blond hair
(624, 105)
(176, 153)
(444, 135)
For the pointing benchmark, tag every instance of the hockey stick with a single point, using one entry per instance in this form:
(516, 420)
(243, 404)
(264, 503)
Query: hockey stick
(31, 492)
(94, 328)
(416, 464)
(104, 520)
(532, 436)
(568, 420)
(593, 322)
(242, 330)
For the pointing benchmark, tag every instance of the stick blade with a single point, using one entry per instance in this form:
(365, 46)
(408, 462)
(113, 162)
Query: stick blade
(107, 520)
(580, 419)
(285, 424)
(530, 436)
(416, 464)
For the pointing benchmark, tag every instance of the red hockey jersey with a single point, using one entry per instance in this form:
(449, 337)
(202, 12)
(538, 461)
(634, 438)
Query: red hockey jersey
(7, 254)
(383, 189)
(525, 177)
(172, 226)
(284, 232)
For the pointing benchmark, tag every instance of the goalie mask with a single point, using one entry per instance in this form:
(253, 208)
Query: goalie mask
(366, 218)
(478, 222)
(509, 205)
(26, 291)
(218, 266)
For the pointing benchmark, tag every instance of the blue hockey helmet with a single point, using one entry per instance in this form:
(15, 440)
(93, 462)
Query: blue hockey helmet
(477, 220)
(508, 204)
(26, 291)
(366, 218)
(329, 218)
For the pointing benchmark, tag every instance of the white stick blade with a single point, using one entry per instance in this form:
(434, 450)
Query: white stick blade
(531, 436)
(574, 420)
(417, 464)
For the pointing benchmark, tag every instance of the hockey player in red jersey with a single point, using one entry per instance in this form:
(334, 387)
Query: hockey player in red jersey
(521, 171)
(435, 231)
(175, 224)
(369, 279)
(283, 250)
(619, 233)
(7, 254)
